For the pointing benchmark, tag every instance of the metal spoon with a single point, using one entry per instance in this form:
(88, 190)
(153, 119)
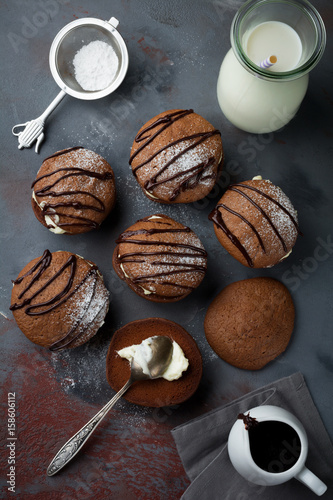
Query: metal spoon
(162, 348)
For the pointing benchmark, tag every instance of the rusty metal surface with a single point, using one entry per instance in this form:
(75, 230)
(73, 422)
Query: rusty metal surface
(175, 51)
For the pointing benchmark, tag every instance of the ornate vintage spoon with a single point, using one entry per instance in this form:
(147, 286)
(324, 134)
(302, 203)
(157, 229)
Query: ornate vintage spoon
(161, 347)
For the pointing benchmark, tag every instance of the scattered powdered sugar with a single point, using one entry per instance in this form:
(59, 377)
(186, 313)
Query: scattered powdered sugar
(78, 304)
(281, 220)
(86, 160)
(95, 65)
(181, 167)
(186, 161)
(97, 305)
(79, 372)
(87, 310)
(173, 265)
(278, 218)
(68, 382)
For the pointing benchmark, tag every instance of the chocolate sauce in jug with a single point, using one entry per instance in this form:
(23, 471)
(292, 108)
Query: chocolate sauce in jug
(275, 446)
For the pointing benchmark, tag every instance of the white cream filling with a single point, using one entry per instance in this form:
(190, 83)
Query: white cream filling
(285, 256)
(122, 268)
(146, 292)
(54, 229)
(151, 195)
(257, 178)
(179, 363)
(142, 354)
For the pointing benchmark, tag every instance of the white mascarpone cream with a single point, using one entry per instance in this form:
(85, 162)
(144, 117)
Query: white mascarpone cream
(54, 228)
(145, 291)
(142, 354)
(151, 195)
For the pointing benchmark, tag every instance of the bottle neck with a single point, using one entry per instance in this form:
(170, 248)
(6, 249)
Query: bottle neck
(299, 15)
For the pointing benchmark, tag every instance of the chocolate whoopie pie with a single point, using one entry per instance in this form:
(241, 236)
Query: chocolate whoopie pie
(176, 157)
(160, 259)
(250, 322)
(59, 300)
(256, 223)
(74, 191)
(158, 392)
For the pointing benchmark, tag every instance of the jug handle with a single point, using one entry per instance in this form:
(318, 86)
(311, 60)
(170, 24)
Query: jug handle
(313, 482)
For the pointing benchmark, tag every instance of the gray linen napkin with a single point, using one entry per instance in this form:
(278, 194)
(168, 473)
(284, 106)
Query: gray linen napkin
(202, 446)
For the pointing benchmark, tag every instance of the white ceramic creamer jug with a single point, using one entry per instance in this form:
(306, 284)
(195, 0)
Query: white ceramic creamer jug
(254, 94)
(268, 445)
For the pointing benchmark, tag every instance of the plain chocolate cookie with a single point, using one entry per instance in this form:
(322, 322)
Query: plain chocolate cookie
(158, 392)
(250, 322)
(256, 223)
(74, 191)
(176, 157)
(59, 300)
(160, 259)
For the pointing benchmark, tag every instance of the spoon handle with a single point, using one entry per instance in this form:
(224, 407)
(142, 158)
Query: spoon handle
(75, 443)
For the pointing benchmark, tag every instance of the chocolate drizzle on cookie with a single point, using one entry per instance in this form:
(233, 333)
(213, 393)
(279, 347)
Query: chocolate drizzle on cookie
(193, 175)
(63, 152)
(217, 218)
(39, 308)
(52, 191)
(174, 266)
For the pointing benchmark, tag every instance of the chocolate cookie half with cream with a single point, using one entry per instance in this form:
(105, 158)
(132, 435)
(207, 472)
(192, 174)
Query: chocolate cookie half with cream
(74, 191)
(256, 223)
(59, 300)
(159, 392)
(176, 157)
(160, 259)
(250, 322)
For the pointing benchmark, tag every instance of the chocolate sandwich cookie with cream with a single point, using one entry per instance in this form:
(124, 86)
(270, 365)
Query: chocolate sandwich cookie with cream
(256, 223)
(74, 191)
(177, 156)
(160, 259)
(59, 300)
(159, 392)
(250, 322)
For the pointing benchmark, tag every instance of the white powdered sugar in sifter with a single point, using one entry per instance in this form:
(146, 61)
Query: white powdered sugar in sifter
(67, 43)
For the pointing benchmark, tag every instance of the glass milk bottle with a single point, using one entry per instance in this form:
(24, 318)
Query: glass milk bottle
(264, 76)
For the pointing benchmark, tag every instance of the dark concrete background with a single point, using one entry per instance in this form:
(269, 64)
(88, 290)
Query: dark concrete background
(175, 50)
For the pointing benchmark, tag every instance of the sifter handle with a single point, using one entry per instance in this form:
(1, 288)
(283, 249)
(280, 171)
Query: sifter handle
(33, 130)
